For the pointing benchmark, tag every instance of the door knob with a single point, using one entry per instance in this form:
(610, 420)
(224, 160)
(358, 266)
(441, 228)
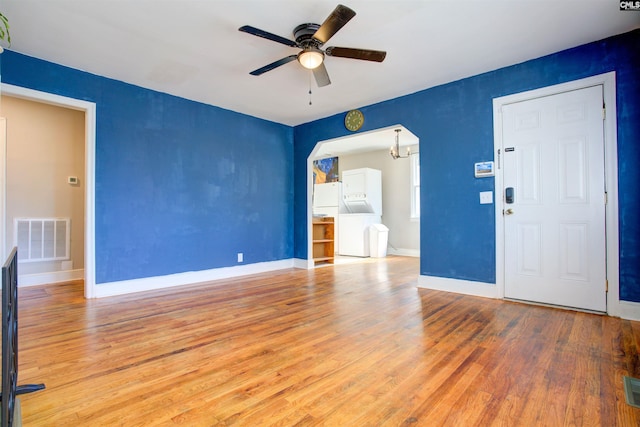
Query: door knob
(508, 212)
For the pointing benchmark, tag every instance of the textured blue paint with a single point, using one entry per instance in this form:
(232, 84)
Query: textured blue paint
(455, 125)
(180, 186)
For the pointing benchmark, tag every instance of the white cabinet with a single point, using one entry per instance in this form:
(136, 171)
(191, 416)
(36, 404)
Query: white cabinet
(327, 194)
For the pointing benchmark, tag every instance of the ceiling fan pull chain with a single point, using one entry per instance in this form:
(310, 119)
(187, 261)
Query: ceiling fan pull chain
(310, 87)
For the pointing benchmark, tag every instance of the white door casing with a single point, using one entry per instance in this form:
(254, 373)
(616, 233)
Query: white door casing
(554, 234)
(615, 306)
(90, 142)
(3, 185)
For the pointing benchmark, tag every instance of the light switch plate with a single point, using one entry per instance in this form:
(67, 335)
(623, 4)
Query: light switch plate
(486, 197)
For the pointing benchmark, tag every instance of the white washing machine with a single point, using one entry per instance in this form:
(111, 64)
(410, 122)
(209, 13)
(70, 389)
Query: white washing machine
(354, 233)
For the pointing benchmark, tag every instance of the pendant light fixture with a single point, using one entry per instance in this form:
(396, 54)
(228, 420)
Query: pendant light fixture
(394, 151)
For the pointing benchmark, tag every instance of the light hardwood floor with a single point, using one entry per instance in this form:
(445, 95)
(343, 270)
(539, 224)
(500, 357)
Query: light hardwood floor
(348, 345)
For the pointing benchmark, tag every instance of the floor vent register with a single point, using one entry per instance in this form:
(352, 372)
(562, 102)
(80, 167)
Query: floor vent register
(632, 391)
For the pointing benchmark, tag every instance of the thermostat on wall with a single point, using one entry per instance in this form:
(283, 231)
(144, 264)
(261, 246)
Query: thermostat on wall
(72, 179)
(484, 169)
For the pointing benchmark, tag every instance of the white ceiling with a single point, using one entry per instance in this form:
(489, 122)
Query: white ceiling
(193, 49)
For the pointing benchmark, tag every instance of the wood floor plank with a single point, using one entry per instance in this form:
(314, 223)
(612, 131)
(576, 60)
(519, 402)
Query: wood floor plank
(346, 345)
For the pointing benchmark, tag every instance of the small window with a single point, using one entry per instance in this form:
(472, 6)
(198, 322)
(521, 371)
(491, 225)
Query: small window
(415, 185)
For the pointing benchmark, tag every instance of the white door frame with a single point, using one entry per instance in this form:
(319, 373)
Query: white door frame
(608, 81)
(89, 109)
(3, 190)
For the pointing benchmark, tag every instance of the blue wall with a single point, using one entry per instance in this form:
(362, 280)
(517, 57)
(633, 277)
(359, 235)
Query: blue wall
(180, 186)
(455, 125)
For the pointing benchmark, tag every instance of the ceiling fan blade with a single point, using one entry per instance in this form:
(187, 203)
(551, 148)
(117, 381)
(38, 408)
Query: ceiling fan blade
(273, 65)
(338, 18)
(364, 54)
(321, 75)
(265, 35)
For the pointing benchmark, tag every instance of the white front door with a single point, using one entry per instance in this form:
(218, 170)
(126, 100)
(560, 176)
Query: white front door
(554, 227)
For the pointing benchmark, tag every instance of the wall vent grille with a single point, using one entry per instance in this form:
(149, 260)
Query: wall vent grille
(42, 239)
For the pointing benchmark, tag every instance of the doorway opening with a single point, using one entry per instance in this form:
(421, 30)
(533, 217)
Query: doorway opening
(371, 150)
(88, 179)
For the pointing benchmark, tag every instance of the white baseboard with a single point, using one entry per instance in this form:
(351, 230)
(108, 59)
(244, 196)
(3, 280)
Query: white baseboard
(25, 280)
(479, 289)
(626, 310)
(188, 278)
(304, 264)
(404, 252)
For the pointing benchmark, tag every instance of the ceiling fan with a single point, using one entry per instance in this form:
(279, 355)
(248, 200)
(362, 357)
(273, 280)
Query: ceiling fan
(310, 38)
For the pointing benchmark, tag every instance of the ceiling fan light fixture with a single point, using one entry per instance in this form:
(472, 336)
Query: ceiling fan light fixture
(311, 58)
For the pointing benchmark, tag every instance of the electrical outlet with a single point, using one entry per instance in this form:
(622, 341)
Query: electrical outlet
(240, 257)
